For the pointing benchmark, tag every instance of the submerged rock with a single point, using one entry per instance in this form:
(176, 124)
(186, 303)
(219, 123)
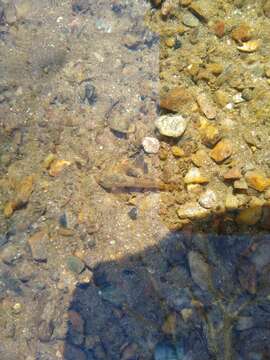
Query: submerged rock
(200, 270)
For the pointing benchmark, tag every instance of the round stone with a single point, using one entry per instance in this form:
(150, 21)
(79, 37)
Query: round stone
(171, 126)
(150, 145)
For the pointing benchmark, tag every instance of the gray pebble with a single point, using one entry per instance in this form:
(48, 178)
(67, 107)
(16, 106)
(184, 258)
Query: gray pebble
(75, 264)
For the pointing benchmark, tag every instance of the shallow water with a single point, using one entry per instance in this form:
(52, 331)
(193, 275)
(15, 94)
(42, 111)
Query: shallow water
(135, 180)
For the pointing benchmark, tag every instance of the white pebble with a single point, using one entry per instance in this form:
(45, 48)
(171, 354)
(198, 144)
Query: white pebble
(172, 126)
(208, 199)
(150, 145)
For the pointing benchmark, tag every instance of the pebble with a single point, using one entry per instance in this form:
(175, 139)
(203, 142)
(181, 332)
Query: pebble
(133, 213)
(231, 202)
(194, 176)
(190, 20)
(177, 151)
(215, 68)
(232, 174)
(150, 145)
(257, 180)
(22, 196)
(210, 135)
(119, 124)
(244, 323)
(75, 264)
(240, 184)
(219, 28)
(186, 314)
(200, 158)
(208, 199)
(38, 245)
(57, 166)
(200, 270)
(171, 125)
(222, 151)
(175, 99)
(241, 33)
(249, 216)
(238, 99)
(193, 211)
(207, 106)
(250, 46)
(10, 254)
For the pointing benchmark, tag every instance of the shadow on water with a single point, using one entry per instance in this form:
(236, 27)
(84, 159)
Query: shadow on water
(193, 296)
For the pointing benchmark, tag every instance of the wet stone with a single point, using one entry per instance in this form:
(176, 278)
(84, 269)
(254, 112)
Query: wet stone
(10, 254)
(75, 264)
(168, 351)
(171, 126)
(190, 20)
(45, 330)
(133, 213)
(119, 124)
(200, 270)
(38, 245)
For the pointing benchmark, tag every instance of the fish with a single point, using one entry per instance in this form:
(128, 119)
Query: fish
(115, 182)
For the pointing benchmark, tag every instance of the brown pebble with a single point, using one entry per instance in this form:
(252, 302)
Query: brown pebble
(232, 174)
(66, 232)
(175, 99)
(219, 28)
(256, 180)
(38, 245)
(222, 151)
(241, 33)
(57, 166)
